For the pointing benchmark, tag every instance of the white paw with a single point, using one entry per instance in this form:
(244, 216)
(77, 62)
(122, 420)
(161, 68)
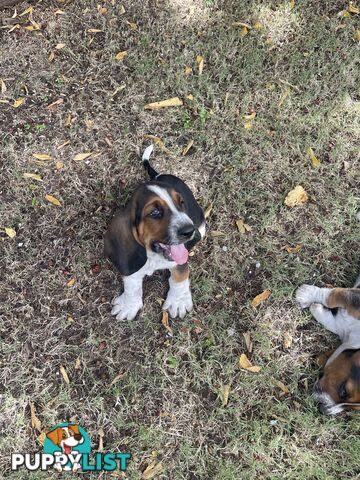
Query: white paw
(126, 307)
(76, 467)
(316, 308)
(306, 295)
(178, 305)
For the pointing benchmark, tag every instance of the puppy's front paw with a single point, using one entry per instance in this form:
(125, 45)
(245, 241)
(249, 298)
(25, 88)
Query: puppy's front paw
(126, 307)
(178, 305)
(317, 308)
(306, 295)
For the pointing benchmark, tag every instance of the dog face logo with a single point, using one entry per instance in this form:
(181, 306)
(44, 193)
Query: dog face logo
(66, 437)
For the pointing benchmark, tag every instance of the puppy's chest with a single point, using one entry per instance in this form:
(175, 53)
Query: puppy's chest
(156, 261)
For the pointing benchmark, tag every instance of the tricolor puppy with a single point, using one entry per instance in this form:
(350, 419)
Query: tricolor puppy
(66, 438)
(155, 231)
(338, 309)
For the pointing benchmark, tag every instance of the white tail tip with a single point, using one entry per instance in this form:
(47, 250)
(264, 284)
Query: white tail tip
(147, 152)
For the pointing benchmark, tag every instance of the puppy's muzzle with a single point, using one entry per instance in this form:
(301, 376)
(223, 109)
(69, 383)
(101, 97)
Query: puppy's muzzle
(186, 232)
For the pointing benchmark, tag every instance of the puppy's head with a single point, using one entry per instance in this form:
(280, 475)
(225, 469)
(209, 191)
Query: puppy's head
(66, 437)
(339, 387)
(161, 223)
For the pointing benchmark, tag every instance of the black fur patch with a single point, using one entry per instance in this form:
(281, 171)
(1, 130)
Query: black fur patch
(355, 373)
(349, 352)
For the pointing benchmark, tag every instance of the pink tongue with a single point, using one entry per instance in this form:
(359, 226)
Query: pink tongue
(179, 253)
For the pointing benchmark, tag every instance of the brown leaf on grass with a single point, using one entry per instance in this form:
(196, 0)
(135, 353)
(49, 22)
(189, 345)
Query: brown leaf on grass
(225, 395)
(260, 298)
(41, 156)
(165, 322)
(258, 25)
(200, 62)
(77, 363)
(244, 31)
(35, 422)
(170, 102)
(53, 200)
(60, 46)
(291, 249)
(208, 210)
(121, 10)
(152, 470)
(248, 341)
(59, 12)
(121, 55)
(297, 196)
(242, 226)
(117, 378)
(314, 160)
(71, 282)
(250, 116)
(51, 57)
(83, 156)
(10, 232)
(68, 120)
(94, 30)
(63, 145)
(248, 125)
(217, 233)
(102, 10)
(188, 70)
(132, 25)
(158, 142)
(190, 97)
(64, 375)
(3, 87)
(287, 340)
(353, 9)
(282, 386)
(187, 148)
(54, 105)
(284, 95)
(33, 176)
(245, 364)
(357, 35)
(18, 102)
(26, 11)
(59, 165)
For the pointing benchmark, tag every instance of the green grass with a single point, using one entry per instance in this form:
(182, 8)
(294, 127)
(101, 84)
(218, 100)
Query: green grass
(298, 73)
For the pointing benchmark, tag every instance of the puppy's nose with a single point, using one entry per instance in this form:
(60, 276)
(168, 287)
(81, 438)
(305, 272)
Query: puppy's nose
(186, 231)
(78, 436)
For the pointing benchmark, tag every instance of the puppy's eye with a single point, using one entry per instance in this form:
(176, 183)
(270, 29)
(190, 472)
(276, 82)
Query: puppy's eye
(342, 392)
(156, 213)
(64, 435)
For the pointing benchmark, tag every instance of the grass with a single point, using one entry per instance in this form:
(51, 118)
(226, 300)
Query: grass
(298, 73)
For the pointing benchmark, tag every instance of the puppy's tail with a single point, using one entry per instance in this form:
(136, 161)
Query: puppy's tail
(145, 159)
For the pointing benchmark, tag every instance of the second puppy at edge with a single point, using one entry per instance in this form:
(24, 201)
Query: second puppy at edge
(155, 231)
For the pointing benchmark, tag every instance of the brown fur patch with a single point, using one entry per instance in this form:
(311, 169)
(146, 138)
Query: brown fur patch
(347, 298)
(180, 273)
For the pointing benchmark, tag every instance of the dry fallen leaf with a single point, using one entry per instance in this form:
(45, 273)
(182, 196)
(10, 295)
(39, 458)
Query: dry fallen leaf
(250, 116)
(77, 363)
(190, 97)
(225, 392)
(18, 102)
(35, 422)
(55, 104)
(158, 142)
(132, 25)
(292, 4)
(260, 298)
(83, 156)
(34, 176)
(245, 363)
(200, 62)
(217, 233)
(71, 282)
(291, 249)
(208, 210)
(117, 378)
(248, 125)
(59, 165)
(187, 148)
(59, 46)
(357, 35)
(243, 227)
(244, 31)
(353, 9)
(287, 340)
(187, 70)
(53, 200)
(314, 160)
(41, 156)
(26, 11)
(282, 386)
(94, 30)
(10, 232)
(152, 470)
(296, 196)
(3, 87)
(165, 322)
(65, 375)
(248, 341)
(284, 96)
(119, 56)
(51, 56)
(170, 102)
(258, 25)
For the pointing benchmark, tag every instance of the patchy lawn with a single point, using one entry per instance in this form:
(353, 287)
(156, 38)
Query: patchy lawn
(296, 67)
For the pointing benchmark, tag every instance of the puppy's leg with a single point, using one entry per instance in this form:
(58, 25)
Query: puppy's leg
(127, 305)
(178, 300)
(308, 294)
(324, 316)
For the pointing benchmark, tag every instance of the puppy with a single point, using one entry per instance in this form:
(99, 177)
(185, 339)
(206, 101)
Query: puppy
(155, 231)
(66, 438)
(338, 309)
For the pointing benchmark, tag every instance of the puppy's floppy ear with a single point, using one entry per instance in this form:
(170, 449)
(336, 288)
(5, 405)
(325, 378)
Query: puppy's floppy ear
(55, 436)
(121, 246)
(74, 428)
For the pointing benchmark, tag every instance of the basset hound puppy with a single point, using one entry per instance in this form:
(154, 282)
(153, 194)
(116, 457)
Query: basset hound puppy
(338, 309)
(155, 231)
(66, 438)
